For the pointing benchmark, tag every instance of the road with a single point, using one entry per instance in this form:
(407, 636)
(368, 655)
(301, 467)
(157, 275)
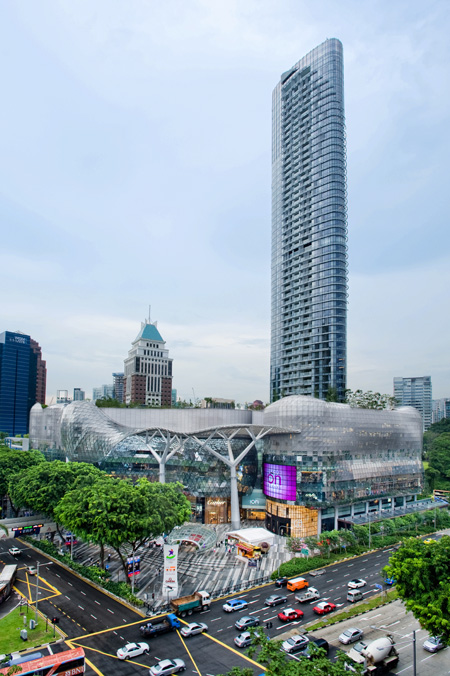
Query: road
(101, 625)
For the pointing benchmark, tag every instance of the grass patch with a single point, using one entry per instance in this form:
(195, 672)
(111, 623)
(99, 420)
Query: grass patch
(11, 625)
(372, 603)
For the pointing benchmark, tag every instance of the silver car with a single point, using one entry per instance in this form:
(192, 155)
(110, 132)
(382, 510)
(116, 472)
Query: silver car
(243, 640)
(166, 667)
(433, 644)
(194, 628)
(351, 635)
(295, 643)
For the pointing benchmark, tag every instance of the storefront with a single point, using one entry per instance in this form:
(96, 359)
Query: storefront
(217, 510)
(254, 506)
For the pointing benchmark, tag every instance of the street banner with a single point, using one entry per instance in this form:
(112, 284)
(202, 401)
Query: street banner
(170, 571)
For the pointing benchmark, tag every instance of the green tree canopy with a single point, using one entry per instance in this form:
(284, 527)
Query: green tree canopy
(12, 465)
(369, 399)
(277, 663)
(42, 486)
(423, 582)
(124, 516)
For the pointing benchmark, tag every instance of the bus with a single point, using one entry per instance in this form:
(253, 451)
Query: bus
(7, 577)
(67, 663)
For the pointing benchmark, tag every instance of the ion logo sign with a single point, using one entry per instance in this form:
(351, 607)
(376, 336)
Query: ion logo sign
(280, 481)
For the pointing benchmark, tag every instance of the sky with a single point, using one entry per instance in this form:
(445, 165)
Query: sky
(135, 170)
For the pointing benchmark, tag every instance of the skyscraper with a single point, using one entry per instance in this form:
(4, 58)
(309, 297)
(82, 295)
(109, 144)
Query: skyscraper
(148, 369)
(309, 228)
(415, 392)
(22, 380)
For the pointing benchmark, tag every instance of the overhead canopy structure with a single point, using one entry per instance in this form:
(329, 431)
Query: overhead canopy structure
(253, 536)
(202, 536)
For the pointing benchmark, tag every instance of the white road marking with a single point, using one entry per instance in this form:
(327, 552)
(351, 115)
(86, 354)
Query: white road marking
(347, 575)
(67, 598)
(393, 623)
(95, 601)
(350, 564)
(219, 630)
(405, 669)
(215, 619)
(81, 607)
(110, 611)
(84, 593)
(256, 601)
(330, 580)
(70, 584)
(93, 616)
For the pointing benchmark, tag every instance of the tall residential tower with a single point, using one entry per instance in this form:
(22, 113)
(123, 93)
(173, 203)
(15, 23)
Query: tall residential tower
(309, 228)
(415, 392)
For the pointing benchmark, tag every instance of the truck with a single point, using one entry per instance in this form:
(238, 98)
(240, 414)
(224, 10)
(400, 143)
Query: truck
(311, 594)
(186, 605)
(169, 623)
(379, 657)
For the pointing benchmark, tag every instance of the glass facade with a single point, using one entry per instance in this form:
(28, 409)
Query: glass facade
(17, 385)
(309, 227)
(415, 392)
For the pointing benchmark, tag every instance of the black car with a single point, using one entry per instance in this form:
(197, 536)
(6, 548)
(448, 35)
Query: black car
(281, 582)
(319, 643)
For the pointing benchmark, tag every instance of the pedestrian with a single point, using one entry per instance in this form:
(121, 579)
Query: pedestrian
(153, 596)
(109, 557)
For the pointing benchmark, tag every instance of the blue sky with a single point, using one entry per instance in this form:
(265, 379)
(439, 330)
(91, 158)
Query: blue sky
(135, 169)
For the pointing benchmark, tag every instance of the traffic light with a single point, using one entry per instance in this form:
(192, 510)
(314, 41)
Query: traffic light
(55, 620)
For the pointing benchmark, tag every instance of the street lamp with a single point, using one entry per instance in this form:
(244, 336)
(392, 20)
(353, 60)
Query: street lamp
(372, 626)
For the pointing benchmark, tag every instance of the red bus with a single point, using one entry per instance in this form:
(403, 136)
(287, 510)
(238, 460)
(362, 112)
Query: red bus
(68, 663)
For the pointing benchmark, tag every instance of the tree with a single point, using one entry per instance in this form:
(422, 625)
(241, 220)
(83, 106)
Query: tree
(369, 399)
(277, 663)
(12, 465)
(423, 583)
(42, 486)
(113, 511)
(332, 394)
(109, 402)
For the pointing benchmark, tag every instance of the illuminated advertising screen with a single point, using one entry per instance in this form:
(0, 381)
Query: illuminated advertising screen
(280, 481)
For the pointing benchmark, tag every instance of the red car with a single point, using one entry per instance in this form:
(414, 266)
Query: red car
(290, 614)
(324, 607)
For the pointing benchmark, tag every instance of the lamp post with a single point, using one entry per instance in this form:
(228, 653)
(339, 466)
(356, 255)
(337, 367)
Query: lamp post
(372, 626)
(37, 588)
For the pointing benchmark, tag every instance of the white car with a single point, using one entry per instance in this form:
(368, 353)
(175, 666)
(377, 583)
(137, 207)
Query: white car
(167, 667)
(132, 650)
(31, 570)
(15, 551)
(356, 583)
(351, 635)
(194, 628)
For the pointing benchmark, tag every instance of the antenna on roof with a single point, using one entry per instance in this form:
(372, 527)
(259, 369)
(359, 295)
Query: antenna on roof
(149, 314)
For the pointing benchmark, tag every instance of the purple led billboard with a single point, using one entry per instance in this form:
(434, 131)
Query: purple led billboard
(280, 481)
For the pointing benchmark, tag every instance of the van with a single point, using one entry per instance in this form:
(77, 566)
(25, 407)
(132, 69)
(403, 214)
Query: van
(354, 595)
(297, 583)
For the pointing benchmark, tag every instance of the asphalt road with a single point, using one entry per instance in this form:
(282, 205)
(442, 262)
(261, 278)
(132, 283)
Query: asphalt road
(101, 625)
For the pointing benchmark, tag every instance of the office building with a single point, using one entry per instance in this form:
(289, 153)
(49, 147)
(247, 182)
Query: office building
(118, 386)
(103, 392)
(309, 228)
(441, 409)
(62, 397)
(78, 394)
(22, 380)
(415, 392)
(303, 464)
(148, 369)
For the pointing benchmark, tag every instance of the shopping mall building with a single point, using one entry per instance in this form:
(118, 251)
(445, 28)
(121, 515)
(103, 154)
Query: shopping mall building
(302, 465)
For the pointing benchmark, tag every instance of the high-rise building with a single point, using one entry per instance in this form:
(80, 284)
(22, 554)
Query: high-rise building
(309, 228)
(78, 394)
(441, 409)
(103, 392)
(415, 392)
(148, 369)
(118, 386)
(22, 380)
(62, 397)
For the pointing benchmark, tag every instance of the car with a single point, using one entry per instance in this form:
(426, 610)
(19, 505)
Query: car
(31, 570)
(295, 643)
(234, 604)
(15, 551)
(356, 583)
(275, 600)
(290, 614)
(324, 607)
(433, 644)
(246, 621)
(351, 635)
(166, 667)
(194, 628)
(243, 640)
(132, 650)
(316, 572)
(390, 581)
(281, 582)
(319, 642)
(429, 541)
